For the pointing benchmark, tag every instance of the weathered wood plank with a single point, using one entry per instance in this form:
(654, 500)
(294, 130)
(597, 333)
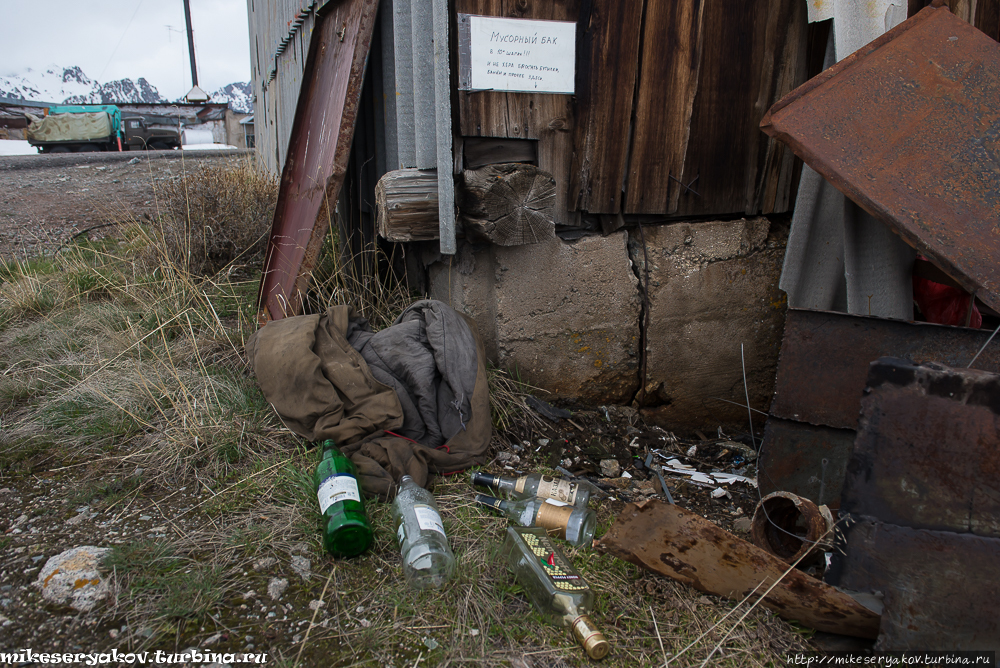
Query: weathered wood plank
(514, 115)
(507, 204)
(482, 151)
(407, 203)
(607, 66)
(726, 165)
(547, 118)
(671, 63)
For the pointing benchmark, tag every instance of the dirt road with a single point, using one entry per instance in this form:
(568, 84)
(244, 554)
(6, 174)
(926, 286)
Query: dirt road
(45, 200)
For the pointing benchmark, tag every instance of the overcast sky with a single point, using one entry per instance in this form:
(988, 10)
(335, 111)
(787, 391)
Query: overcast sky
(118, 39)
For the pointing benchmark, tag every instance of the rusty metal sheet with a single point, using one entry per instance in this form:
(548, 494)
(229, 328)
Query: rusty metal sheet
(804, 459)
(669, 540)
(825, 356)
(908, 127)
(317, 154)
(927, 455)
(941, 590)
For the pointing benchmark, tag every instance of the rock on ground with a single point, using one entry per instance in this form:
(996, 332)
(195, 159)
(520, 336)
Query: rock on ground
(73, 578)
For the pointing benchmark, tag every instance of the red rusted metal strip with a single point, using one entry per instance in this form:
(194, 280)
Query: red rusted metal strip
(317, 154)
(669, 540)
(909, 128)
(927, 454)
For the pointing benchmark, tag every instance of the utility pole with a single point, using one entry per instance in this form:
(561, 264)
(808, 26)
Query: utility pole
(190, 33)
(196, 94)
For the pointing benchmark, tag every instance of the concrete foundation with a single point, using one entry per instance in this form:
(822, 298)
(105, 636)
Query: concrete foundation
(566, 317)
(561, 316)
(712, 287)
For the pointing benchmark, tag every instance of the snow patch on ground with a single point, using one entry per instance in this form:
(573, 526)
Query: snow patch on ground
(17, 147)
(206, 147)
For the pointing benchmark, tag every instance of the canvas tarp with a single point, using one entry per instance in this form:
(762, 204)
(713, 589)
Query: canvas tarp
(70, 127)
(410, 399)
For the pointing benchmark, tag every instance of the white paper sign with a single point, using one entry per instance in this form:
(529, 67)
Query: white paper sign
(522, 55)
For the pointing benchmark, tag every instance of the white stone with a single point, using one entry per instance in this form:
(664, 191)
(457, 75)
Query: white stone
(276, 587)
(264, 563)
(610, 468)
(302, 567)
(73, 578)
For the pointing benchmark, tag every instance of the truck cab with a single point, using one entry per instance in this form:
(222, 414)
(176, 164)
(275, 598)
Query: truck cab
(146, 132)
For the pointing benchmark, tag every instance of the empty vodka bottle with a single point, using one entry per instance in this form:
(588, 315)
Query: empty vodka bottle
(427, 560)
(553, 585)
(573, 524)
(345, 527)
(535, 485)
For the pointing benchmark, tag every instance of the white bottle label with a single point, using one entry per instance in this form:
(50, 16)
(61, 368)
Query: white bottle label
(561, 490)
(339, 487)
(428, 519)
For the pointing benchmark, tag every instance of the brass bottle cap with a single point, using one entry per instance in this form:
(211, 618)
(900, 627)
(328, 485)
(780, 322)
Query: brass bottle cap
(593, 641)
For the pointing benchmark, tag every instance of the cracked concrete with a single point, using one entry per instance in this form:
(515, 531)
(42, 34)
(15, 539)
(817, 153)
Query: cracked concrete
(566, 316)
(712, 287)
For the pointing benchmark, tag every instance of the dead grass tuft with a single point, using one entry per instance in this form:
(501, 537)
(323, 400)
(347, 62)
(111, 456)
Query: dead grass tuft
(217, 215)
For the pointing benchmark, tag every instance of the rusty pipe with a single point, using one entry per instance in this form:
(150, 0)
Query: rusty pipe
(791, 527)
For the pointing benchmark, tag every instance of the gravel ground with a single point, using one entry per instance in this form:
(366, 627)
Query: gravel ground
(46, 200)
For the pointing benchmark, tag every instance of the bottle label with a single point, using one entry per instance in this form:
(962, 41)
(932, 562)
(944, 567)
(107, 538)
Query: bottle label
(556, 568)
(338, 487)
(554, 516)
(561, 490)
(519, 484)
(428, 519)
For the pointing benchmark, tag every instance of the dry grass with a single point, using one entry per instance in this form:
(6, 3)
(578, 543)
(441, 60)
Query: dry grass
(134, 373)
(217, 215)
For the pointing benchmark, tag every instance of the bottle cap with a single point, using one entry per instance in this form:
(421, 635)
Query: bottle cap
(593, 641)
(485, 479)
(490, 501)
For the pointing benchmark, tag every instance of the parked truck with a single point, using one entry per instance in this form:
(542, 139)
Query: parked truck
(81, 128)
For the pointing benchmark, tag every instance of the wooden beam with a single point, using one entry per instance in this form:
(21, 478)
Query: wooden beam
(407, 205)
(508, 204)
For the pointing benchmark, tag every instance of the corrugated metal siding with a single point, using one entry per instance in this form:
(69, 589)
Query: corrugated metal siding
(279, 41)
(413, 83)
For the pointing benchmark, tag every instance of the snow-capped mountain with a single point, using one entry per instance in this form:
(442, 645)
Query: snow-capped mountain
(238, 95)
(71, 86)
(52, 85)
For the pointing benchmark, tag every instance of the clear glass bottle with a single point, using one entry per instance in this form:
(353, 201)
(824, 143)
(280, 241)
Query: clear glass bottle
(553, 585)
(573, 524)
(427, 559)
(535, 485)
(345, 527)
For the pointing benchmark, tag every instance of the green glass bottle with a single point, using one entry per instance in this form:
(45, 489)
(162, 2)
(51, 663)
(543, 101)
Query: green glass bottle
(345, 527)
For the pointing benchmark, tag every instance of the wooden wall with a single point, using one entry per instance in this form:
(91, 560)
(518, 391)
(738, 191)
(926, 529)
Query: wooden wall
(669, 96)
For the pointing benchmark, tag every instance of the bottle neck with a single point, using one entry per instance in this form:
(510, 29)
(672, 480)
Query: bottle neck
(329, 449)
(493, 481)
(492, 502)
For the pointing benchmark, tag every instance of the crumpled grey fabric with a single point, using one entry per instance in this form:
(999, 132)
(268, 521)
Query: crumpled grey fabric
(428, 356)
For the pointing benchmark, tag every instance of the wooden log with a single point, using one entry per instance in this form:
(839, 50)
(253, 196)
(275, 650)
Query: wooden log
(407, 205)
(508, 204)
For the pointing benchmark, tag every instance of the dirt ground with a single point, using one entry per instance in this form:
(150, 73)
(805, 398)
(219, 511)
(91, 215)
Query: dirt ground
(51, 508)
(46, 200)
